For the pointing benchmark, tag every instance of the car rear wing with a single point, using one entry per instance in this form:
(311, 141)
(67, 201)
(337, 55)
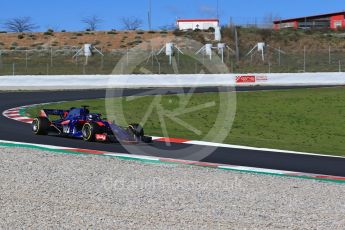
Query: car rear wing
(54, 112)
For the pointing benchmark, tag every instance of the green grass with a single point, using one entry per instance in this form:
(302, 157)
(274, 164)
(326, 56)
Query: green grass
(310, 120)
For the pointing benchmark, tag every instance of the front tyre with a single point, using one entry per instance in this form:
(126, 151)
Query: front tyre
(89, 131)
(136, 129)
(40, 126)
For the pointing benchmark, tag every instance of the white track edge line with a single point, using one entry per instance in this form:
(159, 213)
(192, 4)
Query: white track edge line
(205, 143)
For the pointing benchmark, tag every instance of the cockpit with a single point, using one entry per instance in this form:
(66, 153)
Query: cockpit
(77, 112)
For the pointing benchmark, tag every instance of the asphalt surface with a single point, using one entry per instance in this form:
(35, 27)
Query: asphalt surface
(15, 131)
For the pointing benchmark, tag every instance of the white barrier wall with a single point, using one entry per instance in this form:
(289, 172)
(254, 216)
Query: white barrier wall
(137, 81)
(291, 79)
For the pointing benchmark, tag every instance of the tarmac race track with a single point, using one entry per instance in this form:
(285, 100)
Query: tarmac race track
(12, 130)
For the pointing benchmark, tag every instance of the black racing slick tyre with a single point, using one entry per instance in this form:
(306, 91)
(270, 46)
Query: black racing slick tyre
(136, 129)
(89, 131)
(40, 126)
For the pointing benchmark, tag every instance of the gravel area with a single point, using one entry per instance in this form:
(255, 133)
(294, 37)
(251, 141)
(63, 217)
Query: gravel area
(47, 190)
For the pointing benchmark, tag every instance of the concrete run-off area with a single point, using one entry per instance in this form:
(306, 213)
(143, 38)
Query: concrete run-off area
(44, 190)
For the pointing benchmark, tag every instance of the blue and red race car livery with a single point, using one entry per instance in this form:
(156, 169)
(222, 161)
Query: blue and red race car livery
(80, 123)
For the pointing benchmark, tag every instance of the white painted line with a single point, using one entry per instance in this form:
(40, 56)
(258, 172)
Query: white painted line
(12, 112)
(253, 169)
(24, 118)
(13, 116)
(256, 148)
(132, 156)
(4, 113)
(36, 145)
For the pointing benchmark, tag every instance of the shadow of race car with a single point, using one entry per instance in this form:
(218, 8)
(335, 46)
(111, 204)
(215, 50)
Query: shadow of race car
(80, 123)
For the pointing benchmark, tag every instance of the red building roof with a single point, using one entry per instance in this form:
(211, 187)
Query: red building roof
(309, 17)
(198, 20)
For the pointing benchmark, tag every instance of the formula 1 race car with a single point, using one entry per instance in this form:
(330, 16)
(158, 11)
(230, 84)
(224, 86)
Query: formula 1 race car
(80, 123)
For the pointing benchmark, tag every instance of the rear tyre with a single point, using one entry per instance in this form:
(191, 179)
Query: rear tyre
(89, 131)
(40, 126)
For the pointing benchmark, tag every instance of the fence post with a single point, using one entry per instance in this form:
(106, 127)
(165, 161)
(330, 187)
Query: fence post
(329, 55)
(51, 56)
(304, 61)
(279, 56)
(0, 59)
(339, 66)
(102, 62)
(237, 46)
(127, 57)
(13, 68)
(26, 61)
(178, 58)
(152, 54)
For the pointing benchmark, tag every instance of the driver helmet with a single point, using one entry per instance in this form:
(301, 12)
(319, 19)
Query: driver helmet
(92, 117)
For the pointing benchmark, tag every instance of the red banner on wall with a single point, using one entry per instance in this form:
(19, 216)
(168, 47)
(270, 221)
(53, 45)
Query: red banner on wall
(245, 79)
(251, 79)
